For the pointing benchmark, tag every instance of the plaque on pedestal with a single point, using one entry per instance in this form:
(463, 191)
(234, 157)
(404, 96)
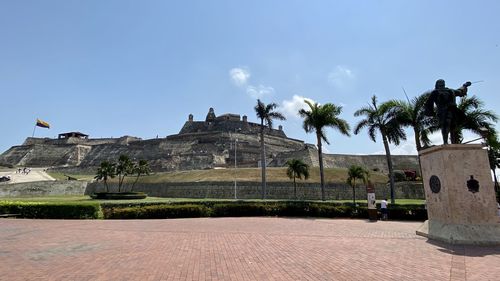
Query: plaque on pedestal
(460, 195)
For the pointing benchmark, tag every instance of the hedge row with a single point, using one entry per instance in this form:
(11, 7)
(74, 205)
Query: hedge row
(92, 210)
(246, 209)
(156, 212)
(52, 210)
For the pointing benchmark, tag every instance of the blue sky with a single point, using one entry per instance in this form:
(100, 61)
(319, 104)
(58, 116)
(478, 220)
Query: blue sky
(114, 68)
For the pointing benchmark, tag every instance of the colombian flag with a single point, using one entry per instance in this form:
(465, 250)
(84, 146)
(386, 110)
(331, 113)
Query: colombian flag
(42, 124)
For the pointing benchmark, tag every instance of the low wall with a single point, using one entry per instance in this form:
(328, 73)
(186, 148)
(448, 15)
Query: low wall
(252, 190)
(42, 188)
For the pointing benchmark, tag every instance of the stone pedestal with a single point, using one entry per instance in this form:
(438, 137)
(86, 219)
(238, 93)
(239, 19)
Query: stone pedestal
(459, 194)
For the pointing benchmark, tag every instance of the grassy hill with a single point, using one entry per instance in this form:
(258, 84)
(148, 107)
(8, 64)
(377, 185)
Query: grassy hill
(243, 174)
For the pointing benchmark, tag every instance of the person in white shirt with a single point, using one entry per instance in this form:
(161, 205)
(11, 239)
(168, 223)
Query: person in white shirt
(383, 208)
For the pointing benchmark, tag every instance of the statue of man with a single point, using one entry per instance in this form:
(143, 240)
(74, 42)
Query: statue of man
(446, 106)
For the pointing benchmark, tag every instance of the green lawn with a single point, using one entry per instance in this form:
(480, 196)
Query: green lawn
(223, 175)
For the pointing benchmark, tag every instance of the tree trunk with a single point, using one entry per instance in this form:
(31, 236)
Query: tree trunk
(119, 183)
(106, 185)
(389, 165)
(354, 192)
(136, 179)
(417, 139)
(294, 187)
(321, 175)
(496, 181)
(263, 159)
(419, 147)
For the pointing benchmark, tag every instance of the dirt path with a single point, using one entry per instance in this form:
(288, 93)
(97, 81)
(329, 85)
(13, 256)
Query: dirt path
(36, 174)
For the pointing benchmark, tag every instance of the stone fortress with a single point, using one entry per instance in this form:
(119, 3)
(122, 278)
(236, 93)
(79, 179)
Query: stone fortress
(199, 145)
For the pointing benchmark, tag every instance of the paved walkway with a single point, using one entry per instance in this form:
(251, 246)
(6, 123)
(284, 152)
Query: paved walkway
(233, 249)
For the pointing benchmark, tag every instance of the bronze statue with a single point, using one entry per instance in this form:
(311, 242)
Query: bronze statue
(446, 106)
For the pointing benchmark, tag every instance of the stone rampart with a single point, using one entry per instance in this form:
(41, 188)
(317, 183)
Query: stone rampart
(191, 127)
(252, 190)
(73, 140)
(42, 188)
(372, 162)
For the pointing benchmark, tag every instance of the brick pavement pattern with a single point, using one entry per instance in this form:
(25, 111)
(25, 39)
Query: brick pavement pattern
(234, 249)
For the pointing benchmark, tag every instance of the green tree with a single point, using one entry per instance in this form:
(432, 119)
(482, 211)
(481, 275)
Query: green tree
(412, 113)
(296, 169)
(494, 155)
(140, 168)
(384, 119)
(266, 114)
(353, 173)
(104, 172)
(317, 119)
(472, 116)
(124, 167)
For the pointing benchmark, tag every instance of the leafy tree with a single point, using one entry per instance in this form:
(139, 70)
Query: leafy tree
(494, 155)
(356, 172)
(266, 114)
(317, 119)
(412, 113)
(140, 168)
(472, 116)
(105, 171)
(296, 169)
(124, 167)
(384, 119)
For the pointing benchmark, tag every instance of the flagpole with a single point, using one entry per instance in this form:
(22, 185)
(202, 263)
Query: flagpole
(33, 131)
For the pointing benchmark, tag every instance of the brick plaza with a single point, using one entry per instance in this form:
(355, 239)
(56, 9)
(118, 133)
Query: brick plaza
(234, 249)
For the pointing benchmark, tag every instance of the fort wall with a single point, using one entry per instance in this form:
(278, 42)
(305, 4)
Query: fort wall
(42, 188)
(199, 145)
(276, 190)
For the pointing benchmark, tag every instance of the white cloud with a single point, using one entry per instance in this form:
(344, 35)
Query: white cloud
(239, 76)
(260, 91)
(290, 108)
(342, 77)
(407, 147)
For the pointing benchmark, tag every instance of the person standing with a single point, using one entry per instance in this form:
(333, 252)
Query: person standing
(383, 209)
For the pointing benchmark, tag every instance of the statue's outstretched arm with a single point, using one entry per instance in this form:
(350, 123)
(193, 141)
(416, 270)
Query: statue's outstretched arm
(462, 91)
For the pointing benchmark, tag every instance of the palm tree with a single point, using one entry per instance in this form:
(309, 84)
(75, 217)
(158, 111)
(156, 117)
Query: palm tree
(494, 155)
(105, 171)
(411, 113)
(382, 118)
(266, 114)
(123, 168)
(353, 173)
(296, 169)
(317, 118)
(140, 168)
(472, 116)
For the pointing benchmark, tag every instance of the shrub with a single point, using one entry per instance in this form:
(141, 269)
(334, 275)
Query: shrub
(407, 212)
(240, 209)
(52, 210)
(399, 176)
(118, 195)
(157, 212)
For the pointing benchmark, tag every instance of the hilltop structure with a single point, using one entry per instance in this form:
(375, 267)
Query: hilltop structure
(204, 144)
